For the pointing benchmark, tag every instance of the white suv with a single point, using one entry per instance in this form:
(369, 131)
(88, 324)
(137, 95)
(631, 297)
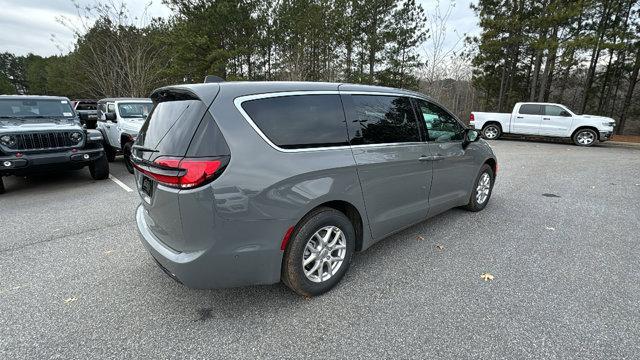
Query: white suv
(120, 120)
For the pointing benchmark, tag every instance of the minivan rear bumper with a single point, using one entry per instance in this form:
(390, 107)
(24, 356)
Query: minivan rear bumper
(216, 267)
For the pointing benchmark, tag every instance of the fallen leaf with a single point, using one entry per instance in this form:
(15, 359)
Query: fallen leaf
(419, 238)
(550, 228)
(70, 300)
(486, 276)
(439, 247)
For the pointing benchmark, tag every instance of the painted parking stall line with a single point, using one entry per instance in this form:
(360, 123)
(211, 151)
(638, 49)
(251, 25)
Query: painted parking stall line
(120, 183)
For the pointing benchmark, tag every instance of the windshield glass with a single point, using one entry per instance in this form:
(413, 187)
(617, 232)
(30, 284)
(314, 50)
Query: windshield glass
(134, 110)
(87, 106)
(24, 108)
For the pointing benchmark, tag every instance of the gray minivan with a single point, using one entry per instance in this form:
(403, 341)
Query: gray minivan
(248, 183)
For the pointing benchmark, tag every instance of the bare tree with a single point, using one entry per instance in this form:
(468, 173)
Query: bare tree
(115, 54)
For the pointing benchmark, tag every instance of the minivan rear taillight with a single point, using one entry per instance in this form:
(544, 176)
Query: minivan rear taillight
(182, 173)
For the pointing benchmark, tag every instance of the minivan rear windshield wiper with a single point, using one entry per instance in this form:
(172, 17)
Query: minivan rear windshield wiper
(143, 149)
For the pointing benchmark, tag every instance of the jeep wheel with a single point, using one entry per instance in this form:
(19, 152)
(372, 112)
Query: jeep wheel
(99, 169)
(109, 151)
(126, 151)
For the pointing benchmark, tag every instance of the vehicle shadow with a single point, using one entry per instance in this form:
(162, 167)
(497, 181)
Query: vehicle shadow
(543, 140)
(68, 179)
(220, 304)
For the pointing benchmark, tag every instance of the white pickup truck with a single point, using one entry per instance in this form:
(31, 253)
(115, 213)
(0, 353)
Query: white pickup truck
(544, 119)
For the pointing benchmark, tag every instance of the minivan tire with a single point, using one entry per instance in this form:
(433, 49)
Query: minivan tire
(99, 169)
(474, 203)
(292, 269)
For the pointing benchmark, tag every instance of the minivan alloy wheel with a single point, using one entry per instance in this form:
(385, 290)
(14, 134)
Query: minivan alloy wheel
(483, 188)
(324, 253)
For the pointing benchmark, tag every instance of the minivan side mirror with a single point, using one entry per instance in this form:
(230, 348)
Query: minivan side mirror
(111, 117)
(470, 135)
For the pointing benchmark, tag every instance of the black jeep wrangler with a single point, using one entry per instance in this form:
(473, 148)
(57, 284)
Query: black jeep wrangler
(43, 133)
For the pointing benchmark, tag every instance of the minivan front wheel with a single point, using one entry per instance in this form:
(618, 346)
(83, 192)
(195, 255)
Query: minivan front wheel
(482, 188)
(319, 252)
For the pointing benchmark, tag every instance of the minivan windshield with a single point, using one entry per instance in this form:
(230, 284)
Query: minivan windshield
(134, 110)
(30, 108)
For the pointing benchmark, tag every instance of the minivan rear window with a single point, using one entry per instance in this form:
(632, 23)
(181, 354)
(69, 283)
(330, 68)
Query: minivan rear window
(299, 121)
(170, 126)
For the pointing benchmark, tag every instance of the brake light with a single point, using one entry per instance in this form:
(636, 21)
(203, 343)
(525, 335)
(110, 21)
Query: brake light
(471, 117)
(183, 173)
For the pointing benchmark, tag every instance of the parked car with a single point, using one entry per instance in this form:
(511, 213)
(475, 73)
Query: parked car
(120, 120)
(544, 119)
(43, 133)
(256, 182)
(87, 111)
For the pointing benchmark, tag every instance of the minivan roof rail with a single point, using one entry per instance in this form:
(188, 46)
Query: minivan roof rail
(213, 79)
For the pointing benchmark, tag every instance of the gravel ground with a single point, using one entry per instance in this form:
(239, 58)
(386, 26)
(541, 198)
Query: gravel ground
(560, 235)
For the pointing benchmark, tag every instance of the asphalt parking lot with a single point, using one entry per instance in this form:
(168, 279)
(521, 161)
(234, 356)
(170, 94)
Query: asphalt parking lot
(560, 236)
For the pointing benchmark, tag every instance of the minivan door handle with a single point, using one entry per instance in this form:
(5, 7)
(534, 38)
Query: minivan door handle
(431, 158)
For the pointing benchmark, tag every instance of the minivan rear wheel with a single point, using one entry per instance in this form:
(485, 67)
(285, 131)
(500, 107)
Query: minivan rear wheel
(481, 190)
(319, 252)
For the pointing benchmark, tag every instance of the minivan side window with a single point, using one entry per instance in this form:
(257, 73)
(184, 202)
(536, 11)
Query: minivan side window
(441, 126)
(381, 119)
(530, 109)
(300, 121)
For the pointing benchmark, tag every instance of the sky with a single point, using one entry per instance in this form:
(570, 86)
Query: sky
(30, 26)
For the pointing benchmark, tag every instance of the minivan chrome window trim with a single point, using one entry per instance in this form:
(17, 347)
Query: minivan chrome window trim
(239, 100)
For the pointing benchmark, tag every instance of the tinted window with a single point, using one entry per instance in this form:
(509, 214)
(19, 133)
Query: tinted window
(530, 109)
(170, 126)
(441, 126)
(377, 119)
(300, 121)
(553, 110)
(86, 106)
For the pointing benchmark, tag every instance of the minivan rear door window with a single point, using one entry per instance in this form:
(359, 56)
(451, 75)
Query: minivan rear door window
(300, 121)
(381, 119)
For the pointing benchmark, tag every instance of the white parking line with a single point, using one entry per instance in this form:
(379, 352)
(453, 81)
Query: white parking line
(120, 183)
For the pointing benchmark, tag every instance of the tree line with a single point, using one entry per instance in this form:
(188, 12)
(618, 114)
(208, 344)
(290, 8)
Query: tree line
(583, 53)
(361, 41)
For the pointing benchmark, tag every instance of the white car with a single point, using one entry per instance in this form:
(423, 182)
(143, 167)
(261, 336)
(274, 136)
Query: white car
(120, 120)
(544, 119)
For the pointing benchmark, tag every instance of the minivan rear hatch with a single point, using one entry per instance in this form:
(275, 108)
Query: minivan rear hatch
(164, 167)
